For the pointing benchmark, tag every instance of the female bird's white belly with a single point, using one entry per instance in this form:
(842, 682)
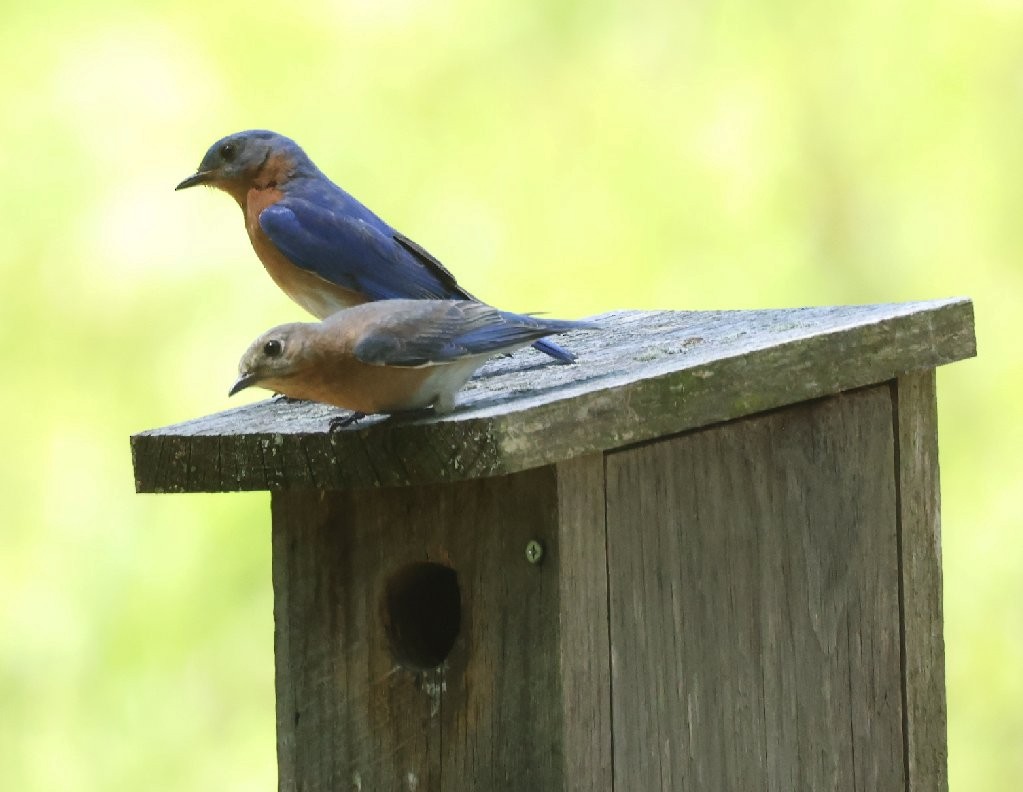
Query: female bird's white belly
(441, 386)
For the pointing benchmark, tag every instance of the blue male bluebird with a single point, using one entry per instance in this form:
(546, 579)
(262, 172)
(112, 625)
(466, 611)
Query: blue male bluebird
(389, 356)
(322, 247)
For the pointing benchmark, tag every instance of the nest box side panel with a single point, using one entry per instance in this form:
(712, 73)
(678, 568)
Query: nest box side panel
(754, 603)
(584, 634)
(920, 551)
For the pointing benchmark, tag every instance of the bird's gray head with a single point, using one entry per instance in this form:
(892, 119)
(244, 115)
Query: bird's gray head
(274, 358)
(254, 158)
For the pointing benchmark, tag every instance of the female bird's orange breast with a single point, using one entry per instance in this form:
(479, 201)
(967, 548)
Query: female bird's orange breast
(349, 383)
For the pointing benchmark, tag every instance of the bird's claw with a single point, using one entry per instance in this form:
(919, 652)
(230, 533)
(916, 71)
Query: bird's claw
(339, 422)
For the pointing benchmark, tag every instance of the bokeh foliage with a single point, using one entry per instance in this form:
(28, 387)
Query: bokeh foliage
(563, 156)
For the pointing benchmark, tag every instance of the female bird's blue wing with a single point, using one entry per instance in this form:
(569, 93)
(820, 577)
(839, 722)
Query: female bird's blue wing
(355, 252)
(443, 331)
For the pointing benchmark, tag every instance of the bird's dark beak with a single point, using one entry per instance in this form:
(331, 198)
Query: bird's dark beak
(199, 177)
(244, 381)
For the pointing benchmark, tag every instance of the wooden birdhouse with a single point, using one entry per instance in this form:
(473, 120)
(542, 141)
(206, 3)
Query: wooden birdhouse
(705, 557)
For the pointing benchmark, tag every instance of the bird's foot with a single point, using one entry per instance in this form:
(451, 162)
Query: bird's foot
(280, 398)
(339, 422)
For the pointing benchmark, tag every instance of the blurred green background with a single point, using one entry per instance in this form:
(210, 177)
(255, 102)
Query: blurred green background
(562, 156)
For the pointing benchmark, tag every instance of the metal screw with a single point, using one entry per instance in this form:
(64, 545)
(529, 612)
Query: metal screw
(534, 551)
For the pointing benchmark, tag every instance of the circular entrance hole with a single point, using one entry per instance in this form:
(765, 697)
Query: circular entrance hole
(424, 613)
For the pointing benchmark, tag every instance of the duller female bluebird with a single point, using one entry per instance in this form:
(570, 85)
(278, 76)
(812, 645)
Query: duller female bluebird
(389, 356)
(322, 247)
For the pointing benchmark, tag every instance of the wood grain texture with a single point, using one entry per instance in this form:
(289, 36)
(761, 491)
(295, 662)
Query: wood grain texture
(920, 568)
(753, 577)
(518, 704)
(351, 717)
(585, 652)
(645, 375)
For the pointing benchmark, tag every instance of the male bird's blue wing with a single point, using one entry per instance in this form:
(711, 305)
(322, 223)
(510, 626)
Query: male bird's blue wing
(356, 253)
(350, 246)
(432, 263)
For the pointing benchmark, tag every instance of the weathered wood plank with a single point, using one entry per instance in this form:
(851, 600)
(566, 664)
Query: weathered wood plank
(585, 654)
(349, 713)
(647, 374)
(920, 567)
(754, 590)
(522, 700)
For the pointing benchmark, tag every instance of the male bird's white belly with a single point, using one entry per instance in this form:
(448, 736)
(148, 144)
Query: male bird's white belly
(317, 295)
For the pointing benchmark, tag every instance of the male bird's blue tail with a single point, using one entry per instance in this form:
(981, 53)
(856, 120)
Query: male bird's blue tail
(485, 330)
(557, 352)
(546, 345)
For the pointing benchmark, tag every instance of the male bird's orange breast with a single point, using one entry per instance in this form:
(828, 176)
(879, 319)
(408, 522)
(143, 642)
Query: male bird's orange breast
(317, 295)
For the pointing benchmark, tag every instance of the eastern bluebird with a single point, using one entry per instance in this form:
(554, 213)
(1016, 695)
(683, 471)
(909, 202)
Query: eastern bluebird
(388, 356)
(322, 247)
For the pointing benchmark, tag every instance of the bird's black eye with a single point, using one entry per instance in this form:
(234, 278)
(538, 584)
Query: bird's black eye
(228, 151)
(272, 348)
